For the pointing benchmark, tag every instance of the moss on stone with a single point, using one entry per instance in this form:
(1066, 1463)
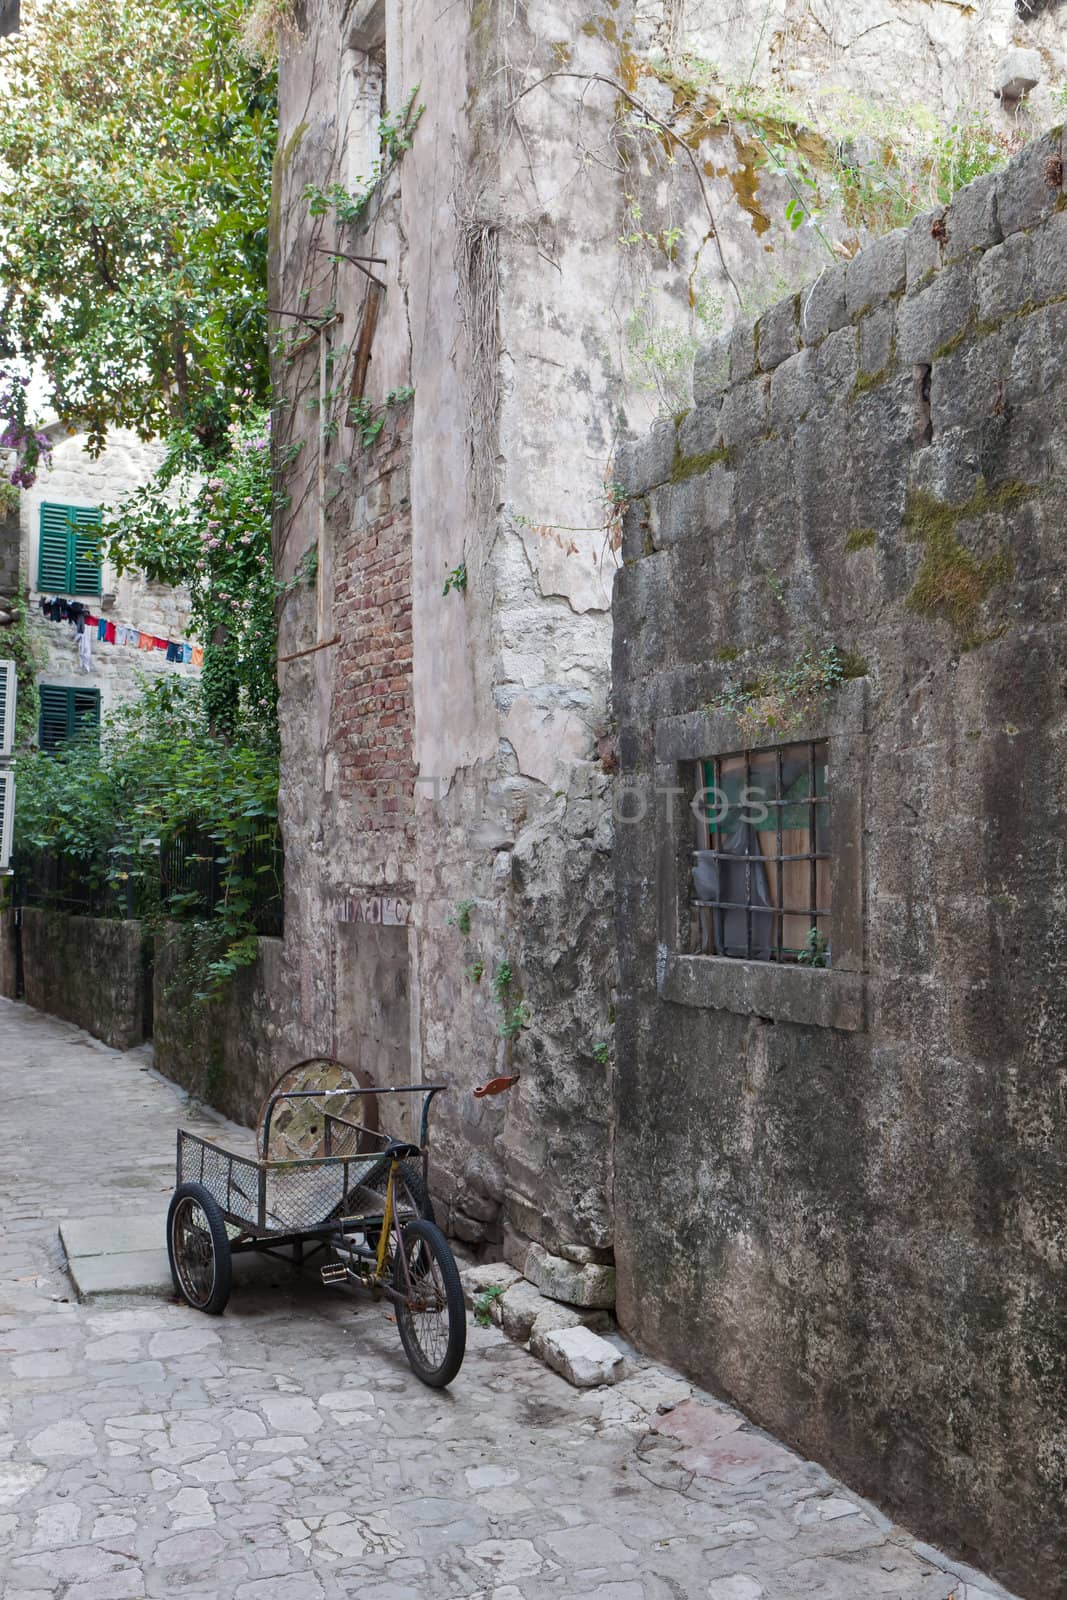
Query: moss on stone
(292, 145)
(952, 582)
(860, 539)
(954, 343)
(726, 654)
(685, 467)
(853, 665)
(866, 381)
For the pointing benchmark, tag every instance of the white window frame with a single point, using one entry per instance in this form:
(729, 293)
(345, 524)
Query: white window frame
(7, 813)
(7, 726)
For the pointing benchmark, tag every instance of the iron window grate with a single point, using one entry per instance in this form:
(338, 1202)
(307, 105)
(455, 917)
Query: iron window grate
(761, 874)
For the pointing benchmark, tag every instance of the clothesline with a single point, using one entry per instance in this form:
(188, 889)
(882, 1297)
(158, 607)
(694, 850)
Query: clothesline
(83, 621)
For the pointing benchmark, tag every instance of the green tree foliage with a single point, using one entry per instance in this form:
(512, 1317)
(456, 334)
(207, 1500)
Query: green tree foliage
(205, 521)
(108, 804)
(136, 142)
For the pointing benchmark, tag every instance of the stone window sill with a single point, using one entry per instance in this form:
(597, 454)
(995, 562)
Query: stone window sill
(818, 998)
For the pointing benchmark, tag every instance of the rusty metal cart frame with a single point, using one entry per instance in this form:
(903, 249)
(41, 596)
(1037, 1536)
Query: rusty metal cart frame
(364, 1203)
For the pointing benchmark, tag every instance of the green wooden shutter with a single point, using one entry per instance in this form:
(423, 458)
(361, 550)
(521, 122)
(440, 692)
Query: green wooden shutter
(70, 550)
(86, 554)
(53, 566)
(85, 711)
(54, 727)
(67, 713)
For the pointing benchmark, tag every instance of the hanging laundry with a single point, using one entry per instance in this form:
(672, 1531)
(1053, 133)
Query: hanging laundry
(101, 627)
(85, 649)
(174, 651)
(160, 644)
(198, 656)
(110, 631)
(187, 652)
(145, 641)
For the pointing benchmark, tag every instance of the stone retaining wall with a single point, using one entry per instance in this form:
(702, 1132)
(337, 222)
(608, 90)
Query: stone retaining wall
(88, 970)
(840, 1194)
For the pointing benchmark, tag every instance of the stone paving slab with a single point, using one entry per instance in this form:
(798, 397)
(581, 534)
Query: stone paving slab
(285, 1451)
(109, 1235)
(127, 1272)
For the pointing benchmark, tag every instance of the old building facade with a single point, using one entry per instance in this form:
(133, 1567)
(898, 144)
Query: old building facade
(497, 242)
(63, 507)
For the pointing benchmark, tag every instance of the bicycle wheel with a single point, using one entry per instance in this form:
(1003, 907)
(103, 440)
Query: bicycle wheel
(199, 1249)
(431, 1315)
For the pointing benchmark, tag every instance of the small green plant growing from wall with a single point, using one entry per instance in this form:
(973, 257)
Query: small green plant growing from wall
(19, 643)
(602, 1053)
(476, 971)
(460, 916)
(782, 698)
(483, 1303)
(396, 132)
(456, 580)
(514, 1012)
(815, 949)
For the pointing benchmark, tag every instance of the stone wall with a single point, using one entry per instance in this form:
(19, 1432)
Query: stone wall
(840, 1194)
(89, 971)
(232, 1051)
(93, 971)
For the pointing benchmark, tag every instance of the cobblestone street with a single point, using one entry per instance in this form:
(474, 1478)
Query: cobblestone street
(286, 1452)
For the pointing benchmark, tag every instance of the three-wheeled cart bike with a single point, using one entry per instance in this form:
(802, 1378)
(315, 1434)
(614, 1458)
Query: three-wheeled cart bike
(326, 1181)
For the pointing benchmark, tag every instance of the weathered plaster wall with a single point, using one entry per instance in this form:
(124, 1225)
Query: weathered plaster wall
(840, 1194)
(942, 58)
(88, 970)
(441, 820)
(76, 479)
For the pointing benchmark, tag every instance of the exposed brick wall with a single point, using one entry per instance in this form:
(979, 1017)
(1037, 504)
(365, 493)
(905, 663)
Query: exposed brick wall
(372, 722)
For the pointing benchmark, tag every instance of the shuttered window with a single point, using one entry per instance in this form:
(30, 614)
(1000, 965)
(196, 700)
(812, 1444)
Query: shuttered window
(66, 713)
(7, 817)
(8, 691)
(69, 561)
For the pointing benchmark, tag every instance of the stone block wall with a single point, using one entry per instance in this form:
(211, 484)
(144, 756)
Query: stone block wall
(232, 1051)
(88, 970)
(840, 1194)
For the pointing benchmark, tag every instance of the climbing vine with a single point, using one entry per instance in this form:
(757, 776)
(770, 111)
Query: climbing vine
(395, 135)
(20, 644)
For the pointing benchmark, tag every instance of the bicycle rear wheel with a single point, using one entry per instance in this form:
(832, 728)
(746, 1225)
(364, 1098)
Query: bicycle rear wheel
(430, 1315)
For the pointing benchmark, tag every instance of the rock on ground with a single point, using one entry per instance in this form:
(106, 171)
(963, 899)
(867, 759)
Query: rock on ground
(579, 1355)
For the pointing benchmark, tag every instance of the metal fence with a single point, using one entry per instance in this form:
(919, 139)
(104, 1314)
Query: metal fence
(185, 877)
(192, 877)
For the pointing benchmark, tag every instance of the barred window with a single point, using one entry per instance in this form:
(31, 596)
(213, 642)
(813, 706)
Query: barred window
(761, 871)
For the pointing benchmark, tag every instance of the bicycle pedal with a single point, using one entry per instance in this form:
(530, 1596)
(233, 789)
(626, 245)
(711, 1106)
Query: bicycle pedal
(334, 1272)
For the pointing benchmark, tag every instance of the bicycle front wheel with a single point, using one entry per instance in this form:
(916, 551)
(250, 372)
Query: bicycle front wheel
(430, 1313)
